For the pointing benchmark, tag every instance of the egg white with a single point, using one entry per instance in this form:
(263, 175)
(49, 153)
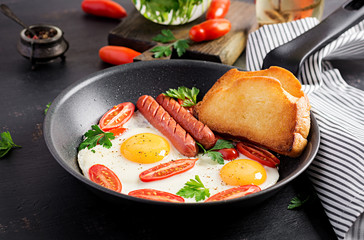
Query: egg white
(128, 171)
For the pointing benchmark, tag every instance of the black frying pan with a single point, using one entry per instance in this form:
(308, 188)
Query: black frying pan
(82, 104)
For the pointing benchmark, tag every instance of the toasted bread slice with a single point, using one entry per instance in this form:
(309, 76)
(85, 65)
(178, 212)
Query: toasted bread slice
(289, 82)
(259, 109)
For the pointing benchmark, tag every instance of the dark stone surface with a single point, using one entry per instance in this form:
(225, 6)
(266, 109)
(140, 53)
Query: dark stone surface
(40, 200)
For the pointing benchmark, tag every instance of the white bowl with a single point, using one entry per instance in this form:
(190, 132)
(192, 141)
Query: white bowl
(171, 12)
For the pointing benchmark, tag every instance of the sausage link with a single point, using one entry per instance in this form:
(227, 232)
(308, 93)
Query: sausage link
(162, 121)
(199, 131)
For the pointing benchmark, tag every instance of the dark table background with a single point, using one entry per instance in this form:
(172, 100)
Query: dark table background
(40, 200)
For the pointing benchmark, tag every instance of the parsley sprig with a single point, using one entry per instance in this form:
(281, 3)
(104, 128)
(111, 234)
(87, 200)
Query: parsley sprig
(167, 36)
(94, 136)
(213, 154)
(6, 143)
(47, 107)
(297, 202)
(189, 96)
(194, 188)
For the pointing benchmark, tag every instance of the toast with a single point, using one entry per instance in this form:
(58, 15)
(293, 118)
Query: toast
(262, 109)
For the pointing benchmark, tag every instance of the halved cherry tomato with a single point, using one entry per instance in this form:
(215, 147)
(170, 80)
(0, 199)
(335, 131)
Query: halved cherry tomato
(105, 177)
(218, 9)
(258, 154)
(117, 55)
(103, 8)
(166, 170)
(234, 193)
(229, 153)
(117, 116)
(156, 195)
(117, 131)
(209, 30)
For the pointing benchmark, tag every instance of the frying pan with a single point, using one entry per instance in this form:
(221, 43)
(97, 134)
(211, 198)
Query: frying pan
(82, 104)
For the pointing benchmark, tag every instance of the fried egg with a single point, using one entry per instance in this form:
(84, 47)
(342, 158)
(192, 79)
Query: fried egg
(142, 147)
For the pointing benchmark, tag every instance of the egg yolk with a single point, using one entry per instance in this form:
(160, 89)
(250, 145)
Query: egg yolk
(145, 148)
(243, 172)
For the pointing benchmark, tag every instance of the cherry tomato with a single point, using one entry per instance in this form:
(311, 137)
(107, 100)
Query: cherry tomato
(117, 131)
(234, 193)
(218, 9)
(117, 116)
(156, 195)
(229, 153)
(103, 8)
(105, 177)
(209, 30)
(117, 55)
(258, 154)
(166, 170)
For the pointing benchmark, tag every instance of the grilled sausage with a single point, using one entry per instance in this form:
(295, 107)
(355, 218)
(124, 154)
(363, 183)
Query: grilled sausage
(163, 122)
(199, 131)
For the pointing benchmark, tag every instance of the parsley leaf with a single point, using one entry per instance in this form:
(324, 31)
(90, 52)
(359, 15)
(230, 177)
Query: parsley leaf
(167, 36)
(6, 143)
(94, 136)
(181, 46)
(189, 96)
(297, 202)
(194, 188)
(174, 93)
(160, 51)
(216, 156)
(47, 107)
(221, 144)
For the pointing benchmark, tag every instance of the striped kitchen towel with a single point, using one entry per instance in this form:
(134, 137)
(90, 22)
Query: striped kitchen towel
(337, 172)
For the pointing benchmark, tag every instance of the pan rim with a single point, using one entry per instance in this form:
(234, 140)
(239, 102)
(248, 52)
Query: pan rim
(85, 81)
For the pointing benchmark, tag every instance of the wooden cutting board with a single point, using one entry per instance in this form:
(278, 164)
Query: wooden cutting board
(136, 32)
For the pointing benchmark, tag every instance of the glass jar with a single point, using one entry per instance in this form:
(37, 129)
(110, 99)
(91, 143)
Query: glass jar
(278, 11)
(171, 12)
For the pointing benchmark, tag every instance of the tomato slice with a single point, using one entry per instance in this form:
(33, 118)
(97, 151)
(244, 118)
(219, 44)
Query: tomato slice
(258, 154)
(105, 177)
(117, 131)
(117, 116)
(229, 153)
(166, 170)
(156, 195)
(234, 193)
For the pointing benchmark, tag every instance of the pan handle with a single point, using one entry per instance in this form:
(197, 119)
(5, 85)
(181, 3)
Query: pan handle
(346, 16)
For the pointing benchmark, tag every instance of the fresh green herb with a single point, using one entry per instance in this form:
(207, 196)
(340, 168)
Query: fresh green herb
(160, 51)
(297, 202)
(221, 144)
(189, 96)
(181, 45)
(194, 188)
(168, 11)
(6, 143)
(214, 155)
(47, 107)
(167, 36)
(94, 136)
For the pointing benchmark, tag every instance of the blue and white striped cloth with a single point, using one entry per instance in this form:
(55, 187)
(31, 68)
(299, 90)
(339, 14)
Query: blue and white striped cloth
(337, 173)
